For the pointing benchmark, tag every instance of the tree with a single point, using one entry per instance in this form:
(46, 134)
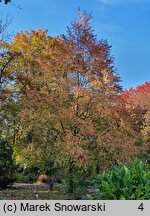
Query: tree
(5, 85)
(38, 76)
(95, 85)
(6, 164)
(92, 66)
(137, 103)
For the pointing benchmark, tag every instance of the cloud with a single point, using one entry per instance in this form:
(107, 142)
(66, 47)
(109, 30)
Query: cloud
(123, 1)
(109, 27)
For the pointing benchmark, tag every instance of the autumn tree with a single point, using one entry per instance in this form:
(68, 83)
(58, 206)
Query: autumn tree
(95, 85)
(64, 103)
(137, 103)
(36, 74)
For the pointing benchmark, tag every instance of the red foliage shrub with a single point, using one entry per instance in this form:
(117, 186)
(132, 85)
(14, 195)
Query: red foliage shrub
(43, 178)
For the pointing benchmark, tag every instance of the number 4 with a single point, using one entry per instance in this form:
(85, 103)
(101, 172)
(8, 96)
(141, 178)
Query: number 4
(141, 207)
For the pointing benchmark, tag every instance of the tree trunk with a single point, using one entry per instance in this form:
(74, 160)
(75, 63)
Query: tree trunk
(71, 183)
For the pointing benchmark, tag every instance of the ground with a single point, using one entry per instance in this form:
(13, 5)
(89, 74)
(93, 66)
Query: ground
(32, 192)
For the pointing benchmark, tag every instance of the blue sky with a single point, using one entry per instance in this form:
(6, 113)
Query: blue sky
(124, 23)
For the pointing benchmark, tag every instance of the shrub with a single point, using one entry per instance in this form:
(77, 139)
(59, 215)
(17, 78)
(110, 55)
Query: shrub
(43, 179)
(128, 183)
(6, 165)
(2, 198)
(25, 178)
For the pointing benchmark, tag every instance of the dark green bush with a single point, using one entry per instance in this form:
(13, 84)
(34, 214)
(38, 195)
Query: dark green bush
(129, 183)
(6, 164)
(25, 178)
(28, 175)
